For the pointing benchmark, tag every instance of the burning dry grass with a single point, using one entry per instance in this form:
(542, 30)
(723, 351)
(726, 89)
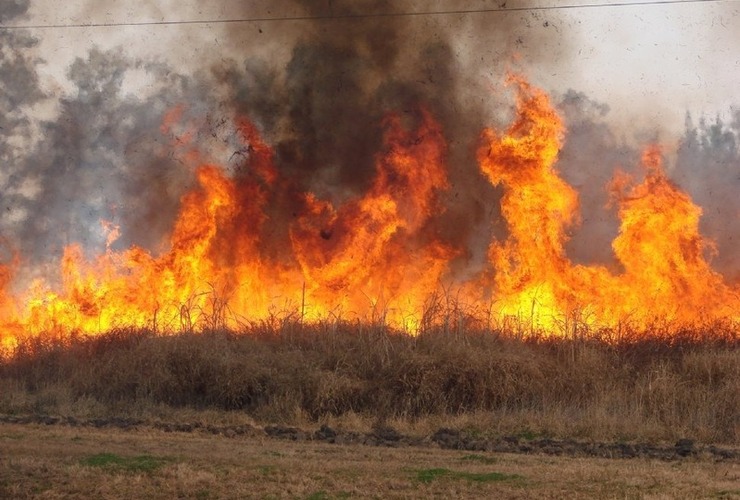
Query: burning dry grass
(634, 387)
(251, 241)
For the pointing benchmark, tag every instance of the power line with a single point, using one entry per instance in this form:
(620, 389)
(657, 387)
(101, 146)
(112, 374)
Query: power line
(328, 17)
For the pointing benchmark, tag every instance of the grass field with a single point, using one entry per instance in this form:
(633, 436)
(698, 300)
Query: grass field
(349, 410)
(647, 388)
(65, 462)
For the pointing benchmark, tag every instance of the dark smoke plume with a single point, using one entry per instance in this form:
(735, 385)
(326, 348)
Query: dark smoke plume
(323, 111)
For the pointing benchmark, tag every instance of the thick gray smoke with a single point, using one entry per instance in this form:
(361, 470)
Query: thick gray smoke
(12, 9)
(103, 158)
(19, 92)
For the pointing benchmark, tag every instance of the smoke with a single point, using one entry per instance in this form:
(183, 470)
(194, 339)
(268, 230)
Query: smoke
(320, 103)
(708, 167)
(591, 154)
(19, 92)
(12, 9)
(705, 165)
(102, 158)
(324, 108)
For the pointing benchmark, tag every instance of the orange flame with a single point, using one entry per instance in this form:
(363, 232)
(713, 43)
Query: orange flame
(369, 251)
(532, 272)
(378, 256)
(662, 251)
(666, 276)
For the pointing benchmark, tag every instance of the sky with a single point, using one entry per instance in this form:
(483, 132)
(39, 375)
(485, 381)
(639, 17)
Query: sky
(650, 63)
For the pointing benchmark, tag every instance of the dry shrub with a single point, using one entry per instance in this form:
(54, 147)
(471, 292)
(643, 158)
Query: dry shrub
(640, 386)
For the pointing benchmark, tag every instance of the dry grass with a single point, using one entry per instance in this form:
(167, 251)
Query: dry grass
(614, 386)
(64, 462)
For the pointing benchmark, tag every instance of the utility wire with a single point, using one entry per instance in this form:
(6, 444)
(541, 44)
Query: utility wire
(326, 17)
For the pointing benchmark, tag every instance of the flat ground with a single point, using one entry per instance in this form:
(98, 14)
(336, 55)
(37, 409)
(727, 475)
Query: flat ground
(42, 461)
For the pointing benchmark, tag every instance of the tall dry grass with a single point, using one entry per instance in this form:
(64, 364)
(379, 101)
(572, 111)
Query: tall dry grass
(610, 385)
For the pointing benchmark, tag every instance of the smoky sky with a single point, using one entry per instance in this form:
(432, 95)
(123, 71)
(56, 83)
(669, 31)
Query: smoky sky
(590, 155)
(708, 167)
(104, 154)
(19, 91)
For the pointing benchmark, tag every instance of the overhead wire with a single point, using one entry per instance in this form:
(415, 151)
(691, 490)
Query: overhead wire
(325, 17)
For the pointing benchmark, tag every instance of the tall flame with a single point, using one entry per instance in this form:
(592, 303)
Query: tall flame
(666, 276)
(533, 276)
(233, 257)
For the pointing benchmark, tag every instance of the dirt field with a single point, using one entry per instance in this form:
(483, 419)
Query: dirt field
(64, 461)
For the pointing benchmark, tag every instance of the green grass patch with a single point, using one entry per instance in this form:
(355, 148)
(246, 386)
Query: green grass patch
(323, 495)
(202, 495)
(15, 436)
(473, 432)
(426, 476)
(479, 458)
(528, 434)
(267, 469)
(727, 494)
(319, 495)
(111, 461)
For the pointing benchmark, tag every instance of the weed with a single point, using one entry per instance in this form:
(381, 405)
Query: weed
(266, 470)
(13, 435)
(202, 494)
(426, 476)
(641, 387)
(319, 495)
(479, 458)
(113, 462)
(528, 434)
(727, 494)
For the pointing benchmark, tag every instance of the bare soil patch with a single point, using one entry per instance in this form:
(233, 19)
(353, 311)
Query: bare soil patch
(386, 436)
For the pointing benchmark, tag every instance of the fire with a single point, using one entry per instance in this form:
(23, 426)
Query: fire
(8, 313)
(666, 276)
(235, 256)
(371, 251)
(662, 251)
(532, 273)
